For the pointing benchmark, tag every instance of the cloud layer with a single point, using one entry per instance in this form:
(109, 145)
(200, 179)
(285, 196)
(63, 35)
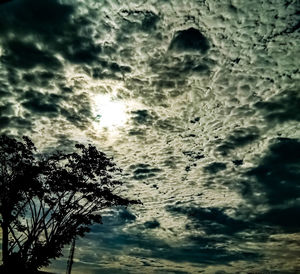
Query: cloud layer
(211, 143)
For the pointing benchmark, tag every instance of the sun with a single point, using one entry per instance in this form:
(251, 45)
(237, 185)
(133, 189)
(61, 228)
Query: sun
(109, 112)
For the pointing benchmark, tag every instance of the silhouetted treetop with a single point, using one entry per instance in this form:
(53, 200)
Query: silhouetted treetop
(47, 200)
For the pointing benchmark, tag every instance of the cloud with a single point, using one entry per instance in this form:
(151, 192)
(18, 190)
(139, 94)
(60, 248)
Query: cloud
(142, 117)
(282, 107)
(215, 167)
(143, 20)
(25, 17)
(273, 186)
(213, 221)
(26, 56)
(277, 174)
(212, 85)
(40, 103)
(50, 24)
(45, 22)
(238, 138)
(109, 70)
(284, 218)
(193, 155)
(144, 171)
(35, 33)
(152, 224)
(38, 38)
(4, 121)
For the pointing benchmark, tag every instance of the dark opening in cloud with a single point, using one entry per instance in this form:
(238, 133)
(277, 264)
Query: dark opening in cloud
(189, 40)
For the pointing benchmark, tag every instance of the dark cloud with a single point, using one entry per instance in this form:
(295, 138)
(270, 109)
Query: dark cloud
(4, 92)
(33, 34)
(42, 78)
(39, 103)
(168, 125)
(155, 248)
(277, 175)
(238, 138)
(215, 167)
(4, 121)
(79, 113)
(50, 105)
(63, 143)
(41, 18)
(285, 218)
(45, 22)
(50, 24)
(26, 55)
(281, 108)
(7, 122)
(164, 84)
(152, 224)
(81, 50)
(106, 69)
(6, 109)
(126, 215)
(117, 217)
(194, 254)
(213, 221)
(142, 117)
(149, 22)
(193, 155)
(137, 132)
(201, 69)
(144, 171)
(189, 40)
(274, 183)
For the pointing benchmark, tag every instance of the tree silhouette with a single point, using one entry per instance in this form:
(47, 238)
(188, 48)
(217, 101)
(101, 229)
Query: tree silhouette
(47, 200)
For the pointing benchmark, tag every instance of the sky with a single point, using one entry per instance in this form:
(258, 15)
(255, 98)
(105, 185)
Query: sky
(198, 102)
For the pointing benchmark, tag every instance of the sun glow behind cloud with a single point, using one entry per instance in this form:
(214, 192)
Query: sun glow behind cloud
(109, 112)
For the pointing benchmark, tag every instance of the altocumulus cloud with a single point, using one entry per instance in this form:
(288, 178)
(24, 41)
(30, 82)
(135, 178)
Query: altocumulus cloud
(211, 140)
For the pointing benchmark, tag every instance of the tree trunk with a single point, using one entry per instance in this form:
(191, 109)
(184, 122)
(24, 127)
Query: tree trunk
(71, 257)
(5, 254)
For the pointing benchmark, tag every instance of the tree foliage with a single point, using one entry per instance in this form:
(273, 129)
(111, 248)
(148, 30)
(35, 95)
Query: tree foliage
(47, 200)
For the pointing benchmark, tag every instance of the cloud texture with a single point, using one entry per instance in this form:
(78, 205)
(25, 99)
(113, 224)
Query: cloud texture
(211, 142)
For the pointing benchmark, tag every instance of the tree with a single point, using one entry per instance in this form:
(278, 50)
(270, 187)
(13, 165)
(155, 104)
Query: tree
(47, 200)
